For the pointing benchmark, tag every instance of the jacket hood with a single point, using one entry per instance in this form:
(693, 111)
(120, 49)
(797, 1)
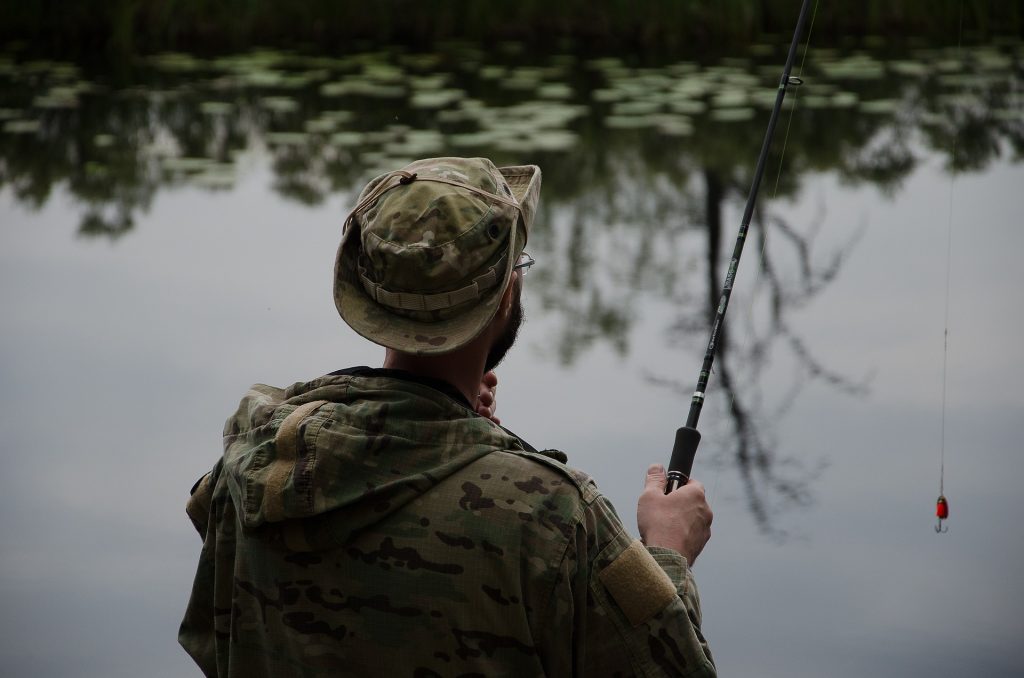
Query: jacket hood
(361, 445)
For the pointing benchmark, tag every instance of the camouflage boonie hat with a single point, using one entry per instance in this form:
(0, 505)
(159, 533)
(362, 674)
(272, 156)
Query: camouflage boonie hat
(428, 250)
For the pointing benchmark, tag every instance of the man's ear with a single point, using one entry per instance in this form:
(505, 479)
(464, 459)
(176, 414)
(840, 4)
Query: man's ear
(505, 305)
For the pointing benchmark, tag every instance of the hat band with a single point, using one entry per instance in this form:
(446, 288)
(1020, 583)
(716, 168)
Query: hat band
(412, 301)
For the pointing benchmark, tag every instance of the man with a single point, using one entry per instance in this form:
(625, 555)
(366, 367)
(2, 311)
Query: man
(379, 522)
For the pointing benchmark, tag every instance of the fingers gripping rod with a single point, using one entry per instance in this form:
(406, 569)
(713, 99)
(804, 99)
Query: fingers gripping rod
(687, 437)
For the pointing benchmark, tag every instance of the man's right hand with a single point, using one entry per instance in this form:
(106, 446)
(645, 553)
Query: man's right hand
(487, 401)
(680, 521)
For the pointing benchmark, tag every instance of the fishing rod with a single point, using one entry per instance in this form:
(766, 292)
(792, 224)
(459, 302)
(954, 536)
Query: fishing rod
(688, 437)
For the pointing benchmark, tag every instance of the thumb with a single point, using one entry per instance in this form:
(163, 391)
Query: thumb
(656, 478)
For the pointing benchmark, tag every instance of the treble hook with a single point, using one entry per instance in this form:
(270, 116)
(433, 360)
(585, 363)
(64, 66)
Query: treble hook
(939, 527)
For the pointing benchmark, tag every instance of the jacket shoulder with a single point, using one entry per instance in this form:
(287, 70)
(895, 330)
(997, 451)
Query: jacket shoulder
(552, 464)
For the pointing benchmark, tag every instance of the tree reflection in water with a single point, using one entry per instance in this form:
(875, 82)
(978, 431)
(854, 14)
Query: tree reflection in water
(771, 482)
(639, 163)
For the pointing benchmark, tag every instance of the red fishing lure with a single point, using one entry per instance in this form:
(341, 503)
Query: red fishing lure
(941, 512)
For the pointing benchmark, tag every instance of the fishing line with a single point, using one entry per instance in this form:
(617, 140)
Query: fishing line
(756, 285)
(942, 506)
(778, 172)
(796, 100)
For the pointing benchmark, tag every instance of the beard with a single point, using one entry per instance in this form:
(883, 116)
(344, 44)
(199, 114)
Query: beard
(507, 338)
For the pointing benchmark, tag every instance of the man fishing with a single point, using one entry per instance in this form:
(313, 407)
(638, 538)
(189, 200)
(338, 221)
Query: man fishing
(381, 521)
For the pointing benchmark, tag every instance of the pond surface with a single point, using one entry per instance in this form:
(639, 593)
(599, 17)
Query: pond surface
(168, 235)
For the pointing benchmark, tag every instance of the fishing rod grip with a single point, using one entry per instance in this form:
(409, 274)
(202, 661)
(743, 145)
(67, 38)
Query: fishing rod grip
(683, 452)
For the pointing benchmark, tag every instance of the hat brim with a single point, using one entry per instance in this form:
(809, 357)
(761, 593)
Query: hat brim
(407, 335)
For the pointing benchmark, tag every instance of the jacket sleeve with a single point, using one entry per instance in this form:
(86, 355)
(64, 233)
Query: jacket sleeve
(636, 610)
(198, 505)
(205, 623)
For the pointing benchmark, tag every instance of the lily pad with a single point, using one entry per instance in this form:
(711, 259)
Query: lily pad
(551, 140)
(215, 178)
(691, 88)
(338, 116)
(321, 126)
(552, 114)
(744, 81)
(348, 139)
(21, 126)
(436, 99)
(730, 98)
(630, 121)
(933, 119)
(364, 88)
(880, 106)
(854, 68)
(845, 99)
(948, 65)
(493, 72)
(520, 84)
(958, 80)
(429, 82)
(57, 97)
(688, 106)
(186, 164)
(280, 104)
(472, 139)
(421, 143)
(608, 95)
(605, 63)
(992, 60)
(765, 98)
(674, 125)
(454, 116)
(961, 100)
(383, 72)
(815, 101)
(423, 62)
(554, 90)
(215, 107)
(264, 78)
(909, 68)
(1008, 115)
(286, 138)
(732, 114)
(627, 108)
(177, 62)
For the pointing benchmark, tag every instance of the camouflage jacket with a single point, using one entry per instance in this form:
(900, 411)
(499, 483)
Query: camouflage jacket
(368, 525)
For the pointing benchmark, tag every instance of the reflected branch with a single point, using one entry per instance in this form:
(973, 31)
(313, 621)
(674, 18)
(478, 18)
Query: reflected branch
(770, 484)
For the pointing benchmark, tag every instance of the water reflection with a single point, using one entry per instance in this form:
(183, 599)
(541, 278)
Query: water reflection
(771, 482)
(328, 122)
(640, 163)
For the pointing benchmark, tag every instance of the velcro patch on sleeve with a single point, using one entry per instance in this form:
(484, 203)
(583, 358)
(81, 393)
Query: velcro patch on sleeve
(638, 584)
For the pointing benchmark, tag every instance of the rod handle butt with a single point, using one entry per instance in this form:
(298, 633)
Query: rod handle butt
(683, 452)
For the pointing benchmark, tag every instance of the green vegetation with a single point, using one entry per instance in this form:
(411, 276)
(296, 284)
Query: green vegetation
(119, 28)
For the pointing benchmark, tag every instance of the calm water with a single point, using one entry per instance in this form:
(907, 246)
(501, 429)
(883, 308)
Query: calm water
(168, 236)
